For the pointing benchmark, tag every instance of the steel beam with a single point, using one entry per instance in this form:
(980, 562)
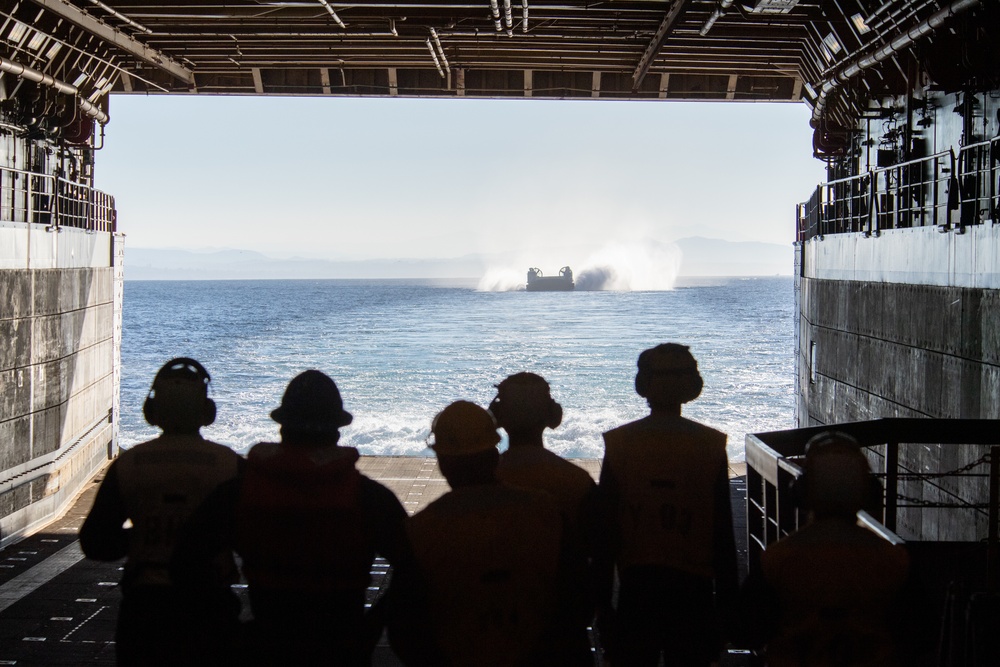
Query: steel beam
(666, 26)
(116, 38)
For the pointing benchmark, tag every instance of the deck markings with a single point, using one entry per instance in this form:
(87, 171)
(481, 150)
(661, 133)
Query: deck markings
(27, 582)
(84, 622)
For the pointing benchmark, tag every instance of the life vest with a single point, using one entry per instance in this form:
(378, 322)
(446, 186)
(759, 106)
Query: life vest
(300, 526)
(161, 483)
(835, 582)
(539, 469)
(490, 555)
(667, 471)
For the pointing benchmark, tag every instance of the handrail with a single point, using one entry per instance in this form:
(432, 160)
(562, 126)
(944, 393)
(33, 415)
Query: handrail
(948, 189)
(54, 202)
(773, 462)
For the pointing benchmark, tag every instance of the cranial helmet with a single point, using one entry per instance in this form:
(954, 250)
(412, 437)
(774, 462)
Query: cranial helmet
(464, 428)
(670, 371)
(523, 401)
(312, 402)
(178, 398)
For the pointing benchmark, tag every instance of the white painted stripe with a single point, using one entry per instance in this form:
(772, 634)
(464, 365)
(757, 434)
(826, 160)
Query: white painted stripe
(26, 582)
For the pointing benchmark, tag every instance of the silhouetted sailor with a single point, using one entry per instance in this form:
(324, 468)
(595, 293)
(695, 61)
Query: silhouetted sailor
(308, 528)
(157, 485)
(665, 485)
(490, 555)
(824, 593)
(524, 407)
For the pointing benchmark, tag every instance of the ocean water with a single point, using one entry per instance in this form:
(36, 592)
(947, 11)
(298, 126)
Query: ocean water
(402, 350)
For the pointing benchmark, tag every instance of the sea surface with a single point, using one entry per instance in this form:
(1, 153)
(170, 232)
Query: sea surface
(400, 351)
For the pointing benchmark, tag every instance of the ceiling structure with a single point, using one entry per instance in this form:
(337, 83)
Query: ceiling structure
(832, 54)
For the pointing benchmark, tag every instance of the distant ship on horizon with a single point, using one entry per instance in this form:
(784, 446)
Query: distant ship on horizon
(537, 282)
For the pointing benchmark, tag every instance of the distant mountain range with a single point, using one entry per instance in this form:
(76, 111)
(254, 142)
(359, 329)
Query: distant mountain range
(701, 257)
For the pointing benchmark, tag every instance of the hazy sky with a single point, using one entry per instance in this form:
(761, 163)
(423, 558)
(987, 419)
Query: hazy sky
(398, 178)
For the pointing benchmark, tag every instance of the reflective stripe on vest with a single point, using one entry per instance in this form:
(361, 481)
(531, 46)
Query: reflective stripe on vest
(667, 505)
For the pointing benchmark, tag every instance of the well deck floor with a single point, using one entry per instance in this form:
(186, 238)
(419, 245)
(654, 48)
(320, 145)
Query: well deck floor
(58, 608)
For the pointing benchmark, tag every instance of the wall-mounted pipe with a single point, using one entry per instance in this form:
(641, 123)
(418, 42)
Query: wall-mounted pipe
(25, 72)
(862, 62)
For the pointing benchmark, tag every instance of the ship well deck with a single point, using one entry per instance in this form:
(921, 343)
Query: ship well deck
(58, 608)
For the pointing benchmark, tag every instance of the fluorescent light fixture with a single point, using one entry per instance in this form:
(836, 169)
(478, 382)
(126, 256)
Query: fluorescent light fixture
(53, 50)
(859, 22)
(80, 79)
(17, 31)
(832, 43)
(37, 41)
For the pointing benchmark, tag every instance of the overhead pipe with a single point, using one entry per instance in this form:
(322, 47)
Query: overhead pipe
(434, 56)
(440, 49)
(332, 13)
(719, 12)
(524, 20)
(496, 14)
(25, 72)
(121, 17)
(861, 63)
(508, 18)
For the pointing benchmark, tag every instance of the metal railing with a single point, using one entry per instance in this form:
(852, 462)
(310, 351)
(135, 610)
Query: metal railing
(54, 202)
(774, 461)
(947, 189)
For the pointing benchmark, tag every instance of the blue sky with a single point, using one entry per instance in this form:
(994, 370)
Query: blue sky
(398, 178)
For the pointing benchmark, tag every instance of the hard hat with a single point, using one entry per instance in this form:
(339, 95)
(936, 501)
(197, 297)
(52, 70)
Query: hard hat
(312, 402)
(464, 428)
(836, 476)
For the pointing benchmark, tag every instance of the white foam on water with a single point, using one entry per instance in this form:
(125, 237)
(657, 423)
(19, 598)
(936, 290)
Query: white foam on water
(621, 266)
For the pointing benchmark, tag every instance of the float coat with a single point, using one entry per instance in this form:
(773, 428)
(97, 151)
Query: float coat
(301, 526)
(666, 472)
(490, 557)
(835, 583)
(159, 485)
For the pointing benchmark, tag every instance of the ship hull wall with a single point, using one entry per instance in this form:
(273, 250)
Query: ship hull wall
(906, 324)
(60, 320)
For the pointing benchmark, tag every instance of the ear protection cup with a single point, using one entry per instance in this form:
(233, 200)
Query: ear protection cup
(555, 415)
(180, 367)
(208, 417)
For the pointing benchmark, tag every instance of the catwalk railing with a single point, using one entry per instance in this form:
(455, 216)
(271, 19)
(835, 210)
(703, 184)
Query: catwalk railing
(54, 202)
(951, 604)
(949, 190)
(774, 460)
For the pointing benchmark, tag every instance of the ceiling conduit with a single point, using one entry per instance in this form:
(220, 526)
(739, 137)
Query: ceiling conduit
(25, 72)
(861, 63)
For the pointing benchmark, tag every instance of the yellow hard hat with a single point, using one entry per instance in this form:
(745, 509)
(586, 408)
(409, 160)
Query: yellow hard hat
(463, 428)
